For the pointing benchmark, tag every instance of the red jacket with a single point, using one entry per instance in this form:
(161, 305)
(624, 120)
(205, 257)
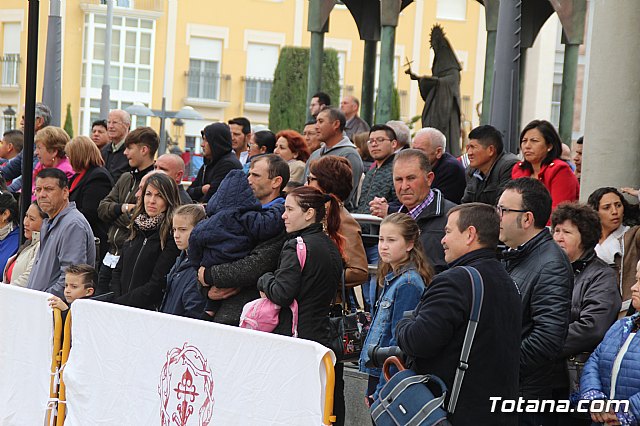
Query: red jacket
(557, 177)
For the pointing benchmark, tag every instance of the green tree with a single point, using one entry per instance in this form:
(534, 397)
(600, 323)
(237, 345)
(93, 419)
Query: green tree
(68, 124)
(288, 102)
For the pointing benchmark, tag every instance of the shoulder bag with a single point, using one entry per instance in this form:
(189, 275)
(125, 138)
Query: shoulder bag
(406, 399)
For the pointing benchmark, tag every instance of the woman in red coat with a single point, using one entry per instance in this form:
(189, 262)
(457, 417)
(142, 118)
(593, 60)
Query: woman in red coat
(541, 148)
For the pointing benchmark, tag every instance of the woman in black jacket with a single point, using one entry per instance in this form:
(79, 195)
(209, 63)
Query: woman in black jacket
(91, 184)
(147, 256)
(595, 300)
(314, 286)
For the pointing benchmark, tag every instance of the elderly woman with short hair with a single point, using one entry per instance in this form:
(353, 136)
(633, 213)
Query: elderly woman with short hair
(50, 149)
(595, 301)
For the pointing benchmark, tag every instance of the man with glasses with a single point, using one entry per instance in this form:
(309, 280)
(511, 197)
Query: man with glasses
(378, 182)
(115, 161)
(544, 276)
(330, 128)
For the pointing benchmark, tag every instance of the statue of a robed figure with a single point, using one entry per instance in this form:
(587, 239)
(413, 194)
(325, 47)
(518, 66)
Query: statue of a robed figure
(441, 90)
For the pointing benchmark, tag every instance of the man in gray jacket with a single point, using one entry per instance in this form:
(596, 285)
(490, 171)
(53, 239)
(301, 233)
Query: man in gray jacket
(66, 238)
(330, 128)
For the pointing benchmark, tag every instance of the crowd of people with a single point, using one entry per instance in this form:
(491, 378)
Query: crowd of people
(109, 220)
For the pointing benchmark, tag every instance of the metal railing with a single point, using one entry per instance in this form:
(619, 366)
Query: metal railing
(208, 86)
(257, 90)
(10, 69)
(155, 5)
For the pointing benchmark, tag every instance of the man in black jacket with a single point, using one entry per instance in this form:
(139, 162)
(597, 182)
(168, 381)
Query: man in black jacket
(433, 337)
(489, 166)
(115, 161)
(219, 159)
(544, 276)
(448, 172)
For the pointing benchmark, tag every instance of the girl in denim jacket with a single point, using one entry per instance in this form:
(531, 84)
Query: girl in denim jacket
(403, 272)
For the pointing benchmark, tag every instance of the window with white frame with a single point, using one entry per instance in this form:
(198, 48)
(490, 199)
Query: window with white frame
(455, 10)
(92, 107)
(130, 73)
(10, 54)
(261, 64)
(205, 56)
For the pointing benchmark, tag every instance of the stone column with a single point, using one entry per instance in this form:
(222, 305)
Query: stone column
(389, 12)
(611, 151)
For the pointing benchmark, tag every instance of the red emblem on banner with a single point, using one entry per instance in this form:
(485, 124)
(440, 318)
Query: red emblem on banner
(186, 386)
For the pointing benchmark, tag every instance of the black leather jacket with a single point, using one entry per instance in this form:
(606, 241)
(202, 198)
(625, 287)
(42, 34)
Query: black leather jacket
(542, 272)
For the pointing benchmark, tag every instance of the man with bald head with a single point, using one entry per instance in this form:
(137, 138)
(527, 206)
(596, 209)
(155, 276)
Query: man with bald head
(449, 173)
(349, 106)
(115, 161)
(173, 166)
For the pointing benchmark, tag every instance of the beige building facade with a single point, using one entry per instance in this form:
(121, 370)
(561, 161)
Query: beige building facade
(216, 56)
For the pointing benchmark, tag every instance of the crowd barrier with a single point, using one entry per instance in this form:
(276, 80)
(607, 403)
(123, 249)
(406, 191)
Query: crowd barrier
(111, 364)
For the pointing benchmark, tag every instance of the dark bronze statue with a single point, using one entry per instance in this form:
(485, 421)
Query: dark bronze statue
(441, 91)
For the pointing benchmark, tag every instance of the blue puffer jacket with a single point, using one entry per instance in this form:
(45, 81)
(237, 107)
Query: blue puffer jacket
(236, 224)
(596, 376)
(402, 291)
(182, 296)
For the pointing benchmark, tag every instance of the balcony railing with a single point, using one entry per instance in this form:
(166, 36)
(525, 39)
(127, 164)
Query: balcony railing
(10, 65)
(257, 90)
(208, 86)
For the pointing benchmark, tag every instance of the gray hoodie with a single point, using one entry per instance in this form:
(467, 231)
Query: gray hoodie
(345, 148)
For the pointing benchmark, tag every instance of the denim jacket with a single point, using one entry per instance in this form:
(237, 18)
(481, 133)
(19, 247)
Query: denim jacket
(402, 291)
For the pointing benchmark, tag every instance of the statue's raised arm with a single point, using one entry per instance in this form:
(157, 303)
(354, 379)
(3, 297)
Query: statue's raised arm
(441, 90)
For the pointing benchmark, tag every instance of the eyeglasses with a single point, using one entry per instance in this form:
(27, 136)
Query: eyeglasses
(202, 134)
(377, 141)
(502, 210)
(311, 179)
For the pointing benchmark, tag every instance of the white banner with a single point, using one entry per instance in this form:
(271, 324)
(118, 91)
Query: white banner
(134, 367)
(26, 343)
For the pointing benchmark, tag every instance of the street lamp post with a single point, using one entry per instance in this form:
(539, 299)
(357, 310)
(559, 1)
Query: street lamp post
(185, 113)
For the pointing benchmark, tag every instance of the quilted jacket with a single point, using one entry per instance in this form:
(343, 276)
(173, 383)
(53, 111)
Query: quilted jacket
(236, 223)
(597, 374)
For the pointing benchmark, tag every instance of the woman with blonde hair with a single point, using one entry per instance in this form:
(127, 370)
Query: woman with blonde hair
(50, 144)
(90, 185)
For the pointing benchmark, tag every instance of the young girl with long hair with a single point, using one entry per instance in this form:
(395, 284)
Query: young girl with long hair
(148, 254)
(403, 273)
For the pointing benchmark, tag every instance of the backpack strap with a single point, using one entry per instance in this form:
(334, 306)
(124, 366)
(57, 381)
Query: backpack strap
(301, 250)
(477, 296)
(294, 318)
